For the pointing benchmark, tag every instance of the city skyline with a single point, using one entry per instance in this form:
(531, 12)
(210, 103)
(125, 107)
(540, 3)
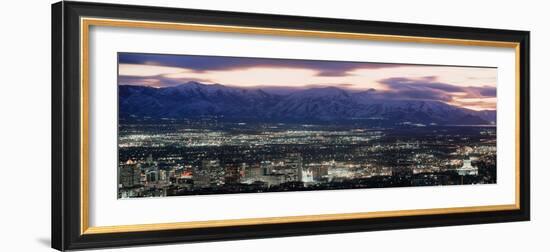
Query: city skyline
(197, 125)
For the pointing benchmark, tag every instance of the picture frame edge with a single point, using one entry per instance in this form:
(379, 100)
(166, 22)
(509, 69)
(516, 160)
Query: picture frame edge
(65, 203)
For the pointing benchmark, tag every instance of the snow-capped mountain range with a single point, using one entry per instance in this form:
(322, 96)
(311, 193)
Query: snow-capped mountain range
(317, 104)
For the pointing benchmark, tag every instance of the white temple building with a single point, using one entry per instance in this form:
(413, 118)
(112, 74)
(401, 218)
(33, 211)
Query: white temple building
(307, 176)
(467, 168)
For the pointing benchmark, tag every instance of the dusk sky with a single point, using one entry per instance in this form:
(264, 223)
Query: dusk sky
(469, 87)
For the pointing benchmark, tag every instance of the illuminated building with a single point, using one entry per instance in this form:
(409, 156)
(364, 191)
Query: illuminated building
(130, 174)
(266, 167)
(163, 175)
(214, 171)
(152, 176)
(467, 168)
(232, 173)
(210, 165)
(307, 176)
(201, 179)
(293, 167)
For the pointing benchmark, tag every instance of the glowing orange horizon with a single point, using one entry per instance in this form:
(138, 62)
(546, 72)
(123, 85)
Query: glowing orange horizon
(468, 87)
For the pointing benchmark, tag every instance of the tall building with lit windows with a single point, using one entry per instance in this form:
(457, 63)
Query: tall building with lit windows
(214, 170)
(294, 169)
(130, 174)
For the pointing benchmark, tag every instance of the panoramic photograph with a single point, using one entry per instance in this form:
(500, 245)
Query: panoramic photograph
(199, 125)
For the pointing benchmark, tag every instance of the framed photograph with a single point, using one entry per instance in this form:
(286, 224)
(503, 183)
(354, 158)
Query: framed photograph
(180, 125)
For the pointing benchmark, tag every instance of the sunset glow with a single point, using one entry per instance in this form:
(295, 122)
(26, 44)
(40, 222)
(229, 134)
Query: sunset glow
(468, 87)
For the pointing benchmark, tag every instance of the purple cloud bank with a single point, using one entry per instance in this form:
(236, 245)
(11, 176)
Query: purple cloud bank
(205, 63)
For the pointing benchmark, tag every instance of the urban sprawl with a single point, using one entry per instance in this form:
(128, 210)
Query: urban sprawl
(209, 157)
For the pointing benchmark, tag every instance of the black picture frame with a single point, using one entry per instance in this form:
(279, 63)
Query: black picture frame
(66, 125)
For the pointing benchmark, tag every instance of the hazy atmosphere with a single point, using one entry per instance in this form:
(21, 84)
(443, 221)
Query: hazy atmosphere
(195, 125)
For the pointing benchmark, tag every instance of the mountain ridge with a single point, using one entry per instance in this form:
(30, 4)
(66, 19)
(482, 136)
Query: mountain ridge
(316, 104)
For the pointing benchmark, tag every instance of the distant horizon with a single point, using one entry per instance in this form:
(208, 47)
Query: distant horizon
(467, 87)
(281, 90)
